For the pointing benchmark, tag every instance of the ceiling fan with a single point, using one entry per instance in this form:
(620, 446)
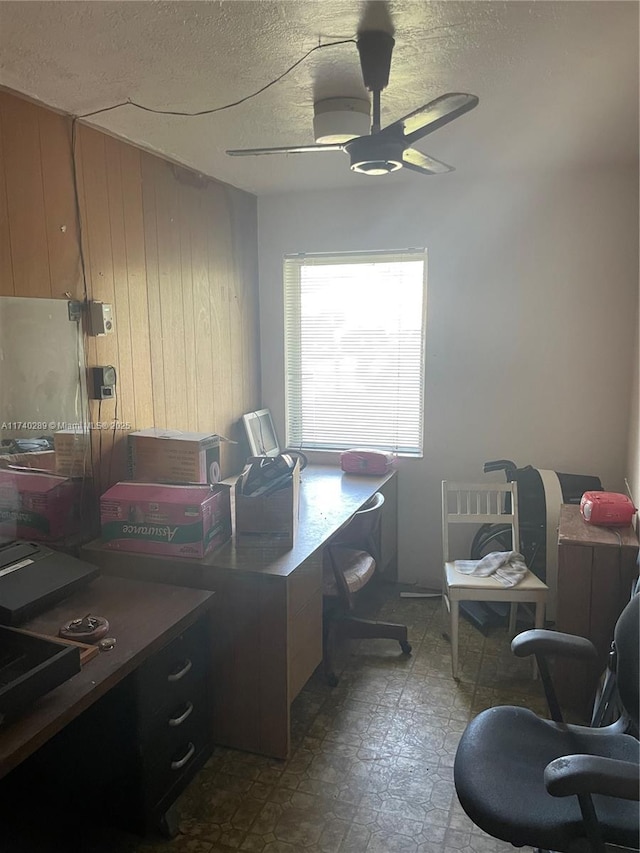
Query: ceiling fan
(388, 149)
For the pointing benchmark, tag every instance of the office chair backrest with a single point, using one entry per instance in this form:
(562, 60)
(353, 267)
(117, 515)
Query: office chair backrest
(472, 503)
(626, 637)
(361, 530)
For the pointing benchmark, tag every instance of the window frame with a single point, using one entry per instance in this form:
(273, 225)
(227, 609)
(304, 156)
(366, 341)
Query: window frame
(292, 323)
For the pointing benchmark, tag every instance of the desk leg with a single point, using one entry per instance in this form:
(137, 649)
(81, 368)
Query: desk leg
(250, 675)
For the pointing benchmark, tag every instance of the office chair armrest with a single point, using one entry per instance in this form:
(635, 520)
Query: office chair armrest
(542, 642)
(592, 774)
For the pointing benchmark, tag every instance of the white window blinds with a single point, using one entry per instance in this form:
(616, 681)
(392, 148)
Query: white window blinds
(354, 350)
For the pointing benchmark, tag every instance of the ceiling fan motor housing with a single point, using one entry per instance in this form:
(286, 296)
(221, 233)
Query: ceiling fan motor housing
(375, 159)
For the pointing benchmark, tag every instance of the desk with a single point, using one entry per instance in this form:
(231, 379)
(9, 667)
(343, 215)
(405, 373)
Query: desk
(268, 607)
(148, 621)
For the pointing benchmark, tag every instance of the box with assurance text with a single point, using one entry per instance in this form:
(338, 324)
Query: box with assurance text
(153, 518)
(171, 456)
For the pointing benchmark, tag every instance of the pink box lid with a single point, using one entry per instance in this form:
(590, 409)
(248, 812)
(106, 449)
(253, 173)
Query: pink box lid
(159, 493)
(31, 481)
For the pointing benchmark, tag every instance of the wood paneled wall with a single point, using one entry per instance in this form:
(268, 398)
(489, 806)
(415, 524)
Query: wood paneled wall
(175, 253)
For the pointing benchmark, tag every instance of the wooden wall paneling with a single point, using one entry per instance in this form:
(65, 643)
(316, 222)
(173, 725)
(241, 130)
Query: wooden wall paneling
(141, 415)
(171, 307)
(6, 264)
(236, 299)
(115, 442)
(150, 168)
(25, 197)
(203, 355)
(224, 367)
(59, 205)
(244, 232)
(90, 356)
(217, 321)
(187, 199)
(100, 286)
(245, 222)
(174, 253)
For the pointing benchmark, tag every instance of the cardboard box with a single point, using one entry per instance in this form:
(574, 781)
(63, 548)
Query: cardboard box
(269, 520)
(42, 460)
(172, 456)
(152, 518)
(73, 452)
(39, 506)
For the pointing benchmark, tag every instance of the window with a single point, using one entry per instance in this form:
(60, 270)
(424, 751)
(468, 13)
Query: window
(354, 350)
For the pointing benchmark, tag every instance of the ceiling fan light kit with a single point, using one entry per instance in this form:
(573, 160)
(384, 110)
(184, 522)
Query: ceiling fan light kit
(340, 119)
(388, 156)
(342, 124)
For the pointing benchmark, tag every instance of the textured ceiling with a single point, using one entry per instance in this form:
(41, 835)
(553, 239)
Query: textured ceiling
(557, 81)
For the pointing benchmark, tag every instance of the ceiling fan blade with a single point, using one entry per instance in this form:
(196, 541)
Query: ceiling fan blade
(419, 162)
(433, 115)
(292, 149)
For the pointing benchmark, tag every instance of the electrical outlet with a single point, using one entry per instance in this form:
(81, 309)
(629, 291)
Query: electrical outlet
(103, 383)
(101, 315)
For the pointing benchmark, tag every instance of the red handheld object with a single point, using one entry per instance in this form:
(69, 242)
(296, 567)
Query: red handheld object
(362, 461)
(609, 509)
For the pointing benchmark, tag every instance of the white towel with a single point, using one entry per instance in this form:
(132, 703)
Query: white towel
(508, 567)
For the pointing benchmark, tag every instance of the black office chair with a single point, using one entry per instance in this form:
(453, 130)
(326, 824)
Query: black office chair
(548, 784)
(350, 562)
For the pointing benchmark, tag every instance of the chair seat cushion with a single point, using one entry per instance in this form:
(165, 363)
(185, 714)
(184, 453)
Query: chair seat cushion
(356, 566)
(499, 779)
(458, 580)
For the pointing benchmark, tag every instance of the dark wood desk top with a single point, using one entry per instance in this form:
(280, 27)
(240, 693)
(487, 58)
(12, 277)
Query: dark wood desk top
(574, 529)
(143, 617)
(328, 499)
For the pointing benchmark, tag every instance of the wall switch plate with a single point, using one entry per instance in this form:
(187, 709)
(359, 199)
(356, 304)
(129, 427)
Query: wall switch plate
(103, 383)
(101, 317)
(74, 308)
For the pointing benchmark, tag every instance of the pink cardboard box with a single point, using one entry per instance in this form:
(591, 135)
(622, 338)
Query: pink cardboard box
(36, 505)
(179, 521)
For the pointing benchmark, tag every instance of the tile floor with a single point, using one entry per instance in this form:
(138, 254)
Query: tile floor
(371, 764)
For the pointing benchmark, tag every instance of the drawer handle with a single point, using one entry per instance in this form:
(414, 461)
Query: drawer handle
(180, 762)
(176, 676)
(178, 721)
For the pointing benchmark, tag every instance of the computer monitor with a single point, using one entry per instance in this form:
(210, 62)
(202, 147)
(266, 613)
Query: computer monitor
(261, 433)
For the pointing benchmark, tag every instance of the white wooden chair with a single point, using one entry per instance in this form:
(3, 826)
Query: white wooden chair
(468, 503)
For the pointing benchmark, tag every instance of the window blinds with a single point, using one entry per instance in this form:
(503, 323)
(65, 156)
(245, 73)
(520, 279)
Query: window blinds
(354, 350)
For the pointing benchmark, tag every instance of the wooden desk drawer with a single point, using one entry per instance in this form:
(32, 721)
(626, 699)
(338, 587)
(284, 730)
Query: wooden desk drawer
(175, 675)
(175, 769)
(169, 743)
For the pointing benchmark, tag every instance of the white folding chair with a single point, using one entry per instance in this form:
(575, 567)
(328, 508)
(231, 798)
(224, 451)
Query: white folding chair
(469, 503)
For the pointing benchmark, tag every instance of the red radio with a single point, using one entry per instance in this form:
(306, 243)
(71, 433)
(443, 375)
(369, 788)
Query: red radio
(362, 461)
(609, 509)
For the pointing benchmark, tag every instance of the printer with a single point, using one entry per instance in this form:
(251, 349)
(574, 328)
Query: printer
(34, 577)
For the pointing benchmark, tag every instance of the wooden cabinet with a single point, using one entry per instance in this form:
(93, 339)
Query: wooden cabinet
(597, 567)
